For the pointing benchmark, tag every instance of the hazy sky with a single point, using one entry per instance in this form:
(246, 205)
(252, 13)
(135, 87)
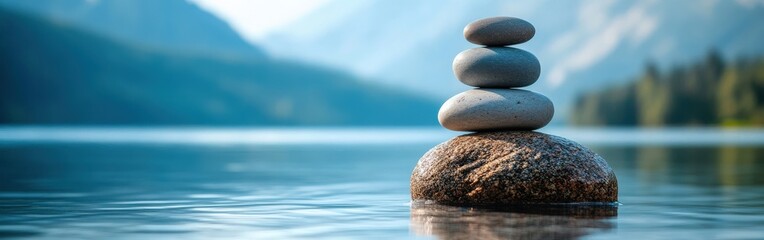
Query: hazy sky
(256, 18)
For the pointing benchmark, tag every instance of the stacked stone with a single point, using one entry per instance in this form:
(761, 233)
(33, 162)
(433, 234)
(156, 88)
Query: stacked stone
(505, 163)
(497, 71)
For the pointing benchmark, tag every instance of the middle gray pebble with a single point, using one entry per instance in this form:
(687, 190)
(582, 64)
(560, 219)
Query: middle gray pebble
(496, 67)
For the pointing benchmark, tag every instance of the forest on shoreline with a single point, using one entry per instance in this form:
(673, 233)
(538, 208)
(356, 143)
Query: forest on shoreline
(709, 92)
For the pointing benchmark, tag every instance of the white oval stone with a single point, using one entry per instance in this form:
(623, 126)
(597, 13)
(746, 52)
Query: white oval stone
(484, 109)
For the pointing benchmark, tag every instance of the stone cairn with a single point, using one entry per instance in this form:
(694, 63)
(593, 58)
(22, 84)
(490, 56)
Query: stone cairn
(505, 162)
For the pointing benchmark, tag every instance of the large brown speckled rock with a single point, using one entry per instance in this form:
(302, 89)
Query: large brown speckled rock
(512, 167)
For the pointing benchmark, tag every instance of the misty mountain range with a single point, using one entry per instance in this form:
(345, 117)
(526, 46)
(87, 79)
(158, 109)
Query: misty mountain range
(364, 62)
(60, 67)
(582, 45)
(164, 25)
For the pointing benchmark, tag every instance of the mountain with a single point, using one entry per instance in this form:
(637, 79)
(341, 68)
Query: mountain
(174, 25)
(56, 73)
(710, 91)
(582, 45)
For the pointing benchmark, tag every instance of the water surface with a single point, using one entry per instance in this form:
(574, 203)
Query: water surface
(137, 183)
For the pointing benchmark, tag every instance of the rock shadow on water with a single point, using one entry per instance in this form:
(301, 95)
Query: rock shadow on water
(517, 222)
(11, 233)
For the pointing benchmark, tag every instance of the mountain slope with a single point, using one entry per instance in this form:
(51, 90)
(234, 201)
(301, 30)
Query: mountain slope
(57, 74)
(582, 45)
(175, 25)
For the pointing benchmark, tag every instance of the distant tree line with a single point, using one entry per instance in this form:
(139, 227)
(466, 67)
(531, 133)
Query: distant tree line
(711, 91)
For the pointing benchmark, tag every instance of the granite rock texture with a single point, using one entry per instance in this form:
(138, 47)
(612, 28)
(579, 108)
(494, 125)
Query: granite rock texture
(485, 109)
(499, 31)
(497, 169)
(496, 67)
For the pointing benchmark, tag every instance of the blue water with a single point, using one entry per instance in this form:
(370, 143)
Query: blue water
(193, 183)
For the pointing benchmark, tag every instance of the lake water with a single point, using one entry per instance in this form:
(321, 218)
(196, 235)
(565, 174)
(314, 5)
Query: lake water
(139, 183)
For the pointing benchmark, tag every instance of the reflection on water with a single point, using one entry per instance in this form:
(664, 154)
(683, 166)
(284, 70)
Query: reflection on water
(292, 188)
(447, 222)
(721, 166)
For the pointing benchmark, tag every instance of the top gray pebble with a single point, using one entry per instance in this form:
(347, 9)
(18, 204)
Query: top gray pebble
(499, 31)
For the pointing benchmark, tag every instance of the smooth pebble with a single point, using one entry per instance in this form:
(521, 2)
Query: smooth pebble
(499, 31)
(496, 67)
(485, 109)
